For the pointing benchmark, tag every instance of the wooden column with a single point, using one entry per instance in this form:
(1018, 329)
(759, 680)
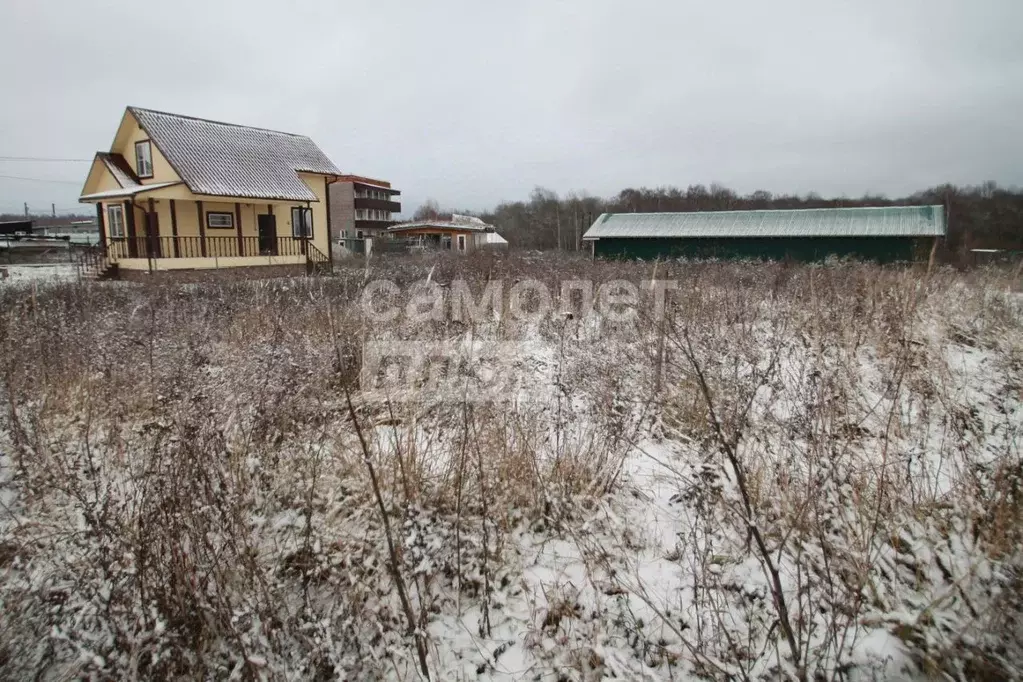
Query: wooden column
(330, 233)
(153, 232)
(305, 240)
(102, 228)
(202, 229)
(238, 227)
(129, 218)
(174, 228)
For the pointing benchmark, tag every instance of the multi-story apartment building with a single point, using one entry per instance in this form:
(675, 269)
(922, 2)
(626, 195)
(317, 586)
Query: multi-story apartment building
(361, 207)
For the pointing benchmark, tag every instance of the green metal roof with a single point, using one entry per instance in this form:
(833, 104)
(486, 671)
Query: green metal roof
(882, 221)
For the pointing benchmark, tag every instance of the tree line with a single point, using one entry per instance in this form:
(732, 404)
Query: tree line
(982, 216)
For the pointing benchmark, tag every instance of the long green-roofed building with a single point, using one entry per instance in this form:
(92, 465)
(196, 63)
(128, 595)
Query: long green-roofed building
(887, 234)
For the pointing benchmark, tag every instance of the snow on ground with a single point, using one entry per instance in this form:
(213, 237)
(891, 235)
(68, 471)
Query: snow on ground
(38, 273)
(617, 542)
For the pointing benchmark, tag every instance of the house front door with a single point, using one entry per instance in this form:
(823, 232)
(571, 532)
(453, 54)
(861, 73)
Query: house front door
(267, 224)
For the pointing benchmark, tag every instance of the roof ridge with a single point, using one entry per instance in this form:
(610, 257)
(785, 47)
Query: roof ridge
(776, 210)
(133, 109)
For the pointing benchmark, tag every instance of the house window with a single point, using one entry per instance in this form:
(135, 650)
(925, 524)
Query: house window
(461, 242)
(144, 159)
(219, 220)
(301, 223)
(115, 221)
(359, 234)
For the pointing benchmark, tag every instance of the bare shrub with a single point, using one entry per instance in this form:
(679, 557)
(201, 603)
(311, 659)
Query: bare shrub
(793, 463)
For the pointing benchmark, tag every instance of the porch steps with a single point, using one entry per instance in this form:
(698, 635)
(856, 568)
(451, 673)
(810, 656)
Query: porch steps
(98, 272)
(94, 265)
(109, 271)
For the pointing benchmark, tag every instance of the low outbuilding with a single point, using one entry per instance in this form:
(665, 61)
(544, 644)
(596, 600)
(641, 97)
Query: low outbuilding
(461, 233)
(884, 234)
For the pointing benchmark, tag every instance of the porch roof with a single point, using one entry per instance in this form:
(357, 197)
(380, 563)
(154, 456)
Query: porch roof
(125, 191)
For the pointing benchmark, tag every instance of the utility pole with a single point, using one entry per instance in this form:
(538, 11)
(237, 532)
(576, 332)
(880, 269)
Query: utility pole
(53, 210)
(26, 209)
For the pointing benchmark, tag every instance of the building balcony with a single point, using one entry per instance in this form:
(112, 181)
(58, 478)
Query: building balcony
(378, 204)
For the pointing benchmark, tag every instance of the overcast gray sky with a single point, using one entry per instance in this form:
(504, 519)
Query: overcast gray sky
(476, 102)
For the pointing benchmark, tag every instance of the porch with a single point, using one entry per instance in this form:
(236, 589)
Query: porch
(167, 254)
(227, 251)
(163, 233)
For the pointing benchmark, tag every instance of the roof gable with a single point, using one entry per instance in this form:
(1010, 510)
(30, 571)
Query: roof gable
(881, 221)
(101, 176)
(223, 159)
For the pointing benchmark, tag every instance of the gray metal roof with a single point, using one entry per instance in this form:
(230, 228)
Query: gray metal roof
(126, 191)
(437, 224)
(223, 159)
(119, 168)
(463, 223)
(884, 221)
(374, 185)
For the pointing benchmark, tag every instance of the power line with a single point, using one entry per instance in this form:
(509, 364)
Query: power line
(41, 158)
(59, 182)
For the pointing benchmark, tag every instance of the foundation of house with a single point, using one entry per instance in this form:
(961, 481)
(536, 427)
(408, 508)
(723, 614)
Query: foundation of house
(183, 276)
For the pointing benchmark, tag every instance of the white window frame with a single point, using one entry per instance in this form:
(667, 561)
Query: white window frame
(301, 222)
(144, 161)
(118, 211)
(461, 242)
(219, 217)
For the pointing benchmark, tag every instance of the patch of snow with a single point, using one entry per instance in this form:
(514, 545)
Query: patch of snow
(41, 273)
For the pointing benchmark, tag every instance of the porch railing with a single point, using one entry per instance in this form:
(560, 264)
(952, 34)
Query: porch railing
(210, 247)
(317, 262)
(92, 262)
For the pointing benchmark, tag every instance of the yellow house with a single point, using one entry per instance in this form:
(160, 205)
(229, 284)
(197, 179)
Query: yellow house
(181, 193)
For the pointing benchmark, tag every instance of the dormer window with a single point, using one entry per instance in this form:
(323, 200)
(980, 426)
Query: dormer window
(144, 159)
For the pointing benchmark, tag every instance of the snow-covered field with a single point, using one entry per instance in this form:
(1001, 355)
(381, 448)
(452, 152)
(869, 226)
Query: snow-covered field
(795, 472)
(41, 273)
